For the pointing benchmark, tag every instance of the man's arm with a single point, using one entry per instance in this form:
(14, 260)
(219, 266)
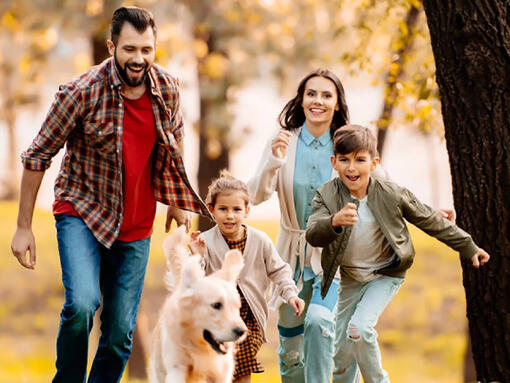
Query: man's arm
(23, 239)
(181, 217)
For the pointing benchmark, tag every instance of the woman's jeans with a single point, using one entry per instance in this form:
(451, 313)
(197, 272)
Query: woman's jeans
(359, 307)
(306, 342)
(93, 274)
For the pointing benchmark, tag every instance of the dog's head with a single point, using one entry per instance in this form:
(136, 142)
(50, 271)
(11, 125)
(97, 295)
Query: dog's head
(212, 303)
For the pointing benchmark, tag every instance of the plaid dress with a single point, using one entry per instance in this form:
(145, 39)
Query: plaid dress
(246, 361)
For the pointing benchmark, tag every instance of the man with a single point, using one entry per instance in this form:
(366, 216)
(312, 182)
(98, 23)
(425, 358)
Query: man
(122, 128)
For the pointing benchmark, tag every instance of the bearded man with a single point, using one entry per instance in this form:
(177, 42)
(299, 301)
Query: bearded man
(122, 128)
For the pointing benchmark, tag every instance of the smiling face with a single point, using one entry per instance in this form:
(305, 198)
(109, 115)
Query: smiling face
(320, 101)
(134, 54)
(229, 211)
(354, 170)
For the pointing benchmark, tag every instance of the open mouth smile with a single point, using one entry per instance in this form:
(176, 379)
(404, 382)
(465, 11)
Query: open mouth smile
(219, 347)
(352, 178)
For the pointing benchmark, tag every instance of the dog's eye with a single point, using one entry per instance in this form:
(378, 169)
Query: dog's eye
(217, 305)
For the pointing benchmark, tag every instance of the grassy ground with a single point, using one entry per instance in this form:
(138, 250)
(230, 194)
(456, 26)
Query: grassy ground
(421, 333)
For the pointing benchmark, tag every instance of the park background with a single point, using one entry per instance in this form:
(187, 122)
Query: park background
(261, 51)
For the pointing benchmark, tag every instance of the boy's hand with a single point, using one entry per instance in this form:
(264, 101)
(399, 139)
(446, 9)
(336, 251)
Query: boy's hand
(480, 258)
(297, 304)
(197, 245)
(348, 216)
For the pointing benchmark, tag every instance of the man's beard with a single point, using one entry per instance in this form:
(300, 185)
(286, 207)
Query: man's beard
(124, 75)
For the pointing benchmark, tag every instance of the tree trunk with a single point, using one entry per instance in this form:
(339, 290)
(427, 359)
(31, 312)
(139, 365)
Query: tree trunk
(471, 45)
(395, 73)
(213, 126)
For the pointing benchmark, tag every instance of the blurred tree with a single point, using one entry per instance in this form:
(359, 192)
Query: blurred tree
(471, 45)
(26, 39)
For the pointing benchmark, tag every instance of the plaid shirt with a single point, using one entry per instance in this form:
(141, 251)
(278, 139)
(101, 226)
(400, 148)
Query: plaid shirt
(87, 116)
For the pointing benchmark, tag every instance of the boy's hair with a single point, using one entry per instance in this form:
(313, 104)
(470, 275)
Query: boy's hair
(226, 183)
(353, 138)
(293, 116)
(139, 18)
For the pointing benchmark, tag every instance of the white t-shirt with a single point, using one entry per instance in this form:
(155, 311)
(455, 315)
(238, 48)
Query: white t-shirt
(368, 249)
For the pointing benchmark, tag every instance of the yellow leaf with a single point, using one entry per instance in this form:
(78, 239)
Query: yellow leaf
(45, 39)
(214, 66)
(82, 61)
(10, 22)
(94, 7)
(200, 47)
(25, 64)
(403, 29)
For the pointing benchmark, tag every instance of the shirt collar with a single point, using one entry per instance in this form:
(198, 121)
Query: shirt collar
(308, 138)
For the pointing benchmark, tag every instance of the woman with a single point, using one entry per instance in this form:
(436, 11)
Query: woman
(295, 162)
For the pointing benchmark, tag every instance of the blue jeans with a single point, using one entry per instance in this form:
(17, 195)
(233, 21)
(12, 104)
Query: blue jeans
(91, 271)
(306, 342)
(359, 307)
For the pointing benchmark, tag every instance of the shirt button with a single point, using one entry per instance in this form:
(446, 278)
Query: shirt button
(100, 133)
(316, 148)
(117, 150)
(314, 167)
(120, 105)
(311, 187)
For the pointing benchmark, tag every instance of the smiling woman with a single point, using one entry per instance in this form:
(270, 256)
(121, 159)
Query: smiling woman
(295, 162)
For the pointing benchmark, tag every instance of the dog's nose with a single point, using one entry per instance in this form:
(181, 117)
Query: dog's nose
(239, 331)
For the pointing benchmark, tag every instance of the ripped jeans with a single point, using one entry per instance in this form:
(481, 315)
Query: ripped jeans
(306, 342)
(359, 307)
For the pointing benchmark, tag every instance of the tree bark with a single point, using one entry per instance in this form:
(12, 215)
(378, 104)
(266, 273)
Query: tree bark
(471, 45)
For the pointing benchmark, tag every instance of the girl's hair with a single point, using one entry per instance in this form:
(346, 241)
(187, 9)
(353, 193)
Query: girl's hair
(353, 138)
(293, 116)
(226, 183)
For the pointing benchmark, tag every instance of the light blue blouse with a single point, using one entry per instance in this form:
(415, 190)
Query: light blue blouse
(312, 169)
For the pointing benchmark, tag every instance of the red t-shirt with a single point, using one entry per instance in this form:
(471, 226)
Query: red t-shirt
(138, 139)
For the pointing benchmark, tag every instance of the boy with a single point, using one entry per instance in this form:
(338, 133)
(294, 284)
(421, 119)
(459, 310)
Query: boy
(359, 222)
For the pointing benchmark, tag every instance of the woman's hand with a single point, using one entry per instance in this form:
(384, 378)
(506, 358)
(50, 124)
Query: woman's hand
(280, 143)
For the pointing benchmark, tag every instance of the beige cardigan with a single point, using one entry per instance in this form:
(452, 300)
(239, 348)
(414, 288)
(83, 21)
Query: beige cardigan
(262, 264)
(275, 174)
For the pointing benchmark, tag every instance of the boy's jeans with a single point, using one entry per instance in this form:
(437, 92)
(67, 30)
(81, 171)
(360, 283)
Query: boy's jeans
(309, 362)
(90, 270)
(358, 309)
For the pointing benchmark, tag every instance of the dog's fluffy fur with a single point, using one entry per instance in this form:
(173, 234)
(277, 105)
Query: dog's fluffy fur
(199, 323)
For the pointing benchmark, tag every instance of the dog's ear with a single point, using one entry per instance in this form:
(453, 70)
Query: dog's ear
(192, 272)
(232, 266)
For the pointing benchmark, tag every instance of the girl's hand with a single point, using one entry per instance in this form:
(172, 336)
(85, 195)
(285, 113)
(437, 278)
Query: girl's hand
(480, 258)
(348, 216)
(197, 245)
(280, 143)
(449, 214)
(297, 304)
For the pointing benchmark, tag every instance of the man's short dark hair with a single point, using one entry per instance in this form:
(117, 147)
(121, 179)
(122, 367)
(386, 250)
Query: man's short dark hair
(139, 18)
(353, 138)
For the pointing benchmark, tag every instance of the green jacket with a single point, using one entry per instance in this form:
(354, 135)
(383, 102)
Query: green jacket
(390, 204)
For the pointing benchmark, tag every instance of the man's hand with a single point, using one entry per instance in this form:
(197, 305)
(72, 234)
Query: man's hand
(480, 258)
(182, 217)
(297, 304)
(22, 242)
(197, 244)
(348, 216)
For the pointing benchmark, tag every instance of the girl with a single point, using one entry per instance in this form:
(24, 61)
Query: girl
(295, 162)
(228, 202)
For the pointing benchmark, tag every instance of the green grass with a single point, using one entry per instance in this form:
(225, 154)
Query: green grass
(421, 333)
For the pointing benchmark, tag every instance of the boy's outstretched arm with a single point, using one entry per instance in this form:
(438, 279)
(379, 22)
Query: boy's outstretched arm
(480, 258)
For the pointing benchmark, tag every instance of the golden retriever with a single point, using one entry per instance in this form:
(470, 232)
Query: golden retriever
(199, 323)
